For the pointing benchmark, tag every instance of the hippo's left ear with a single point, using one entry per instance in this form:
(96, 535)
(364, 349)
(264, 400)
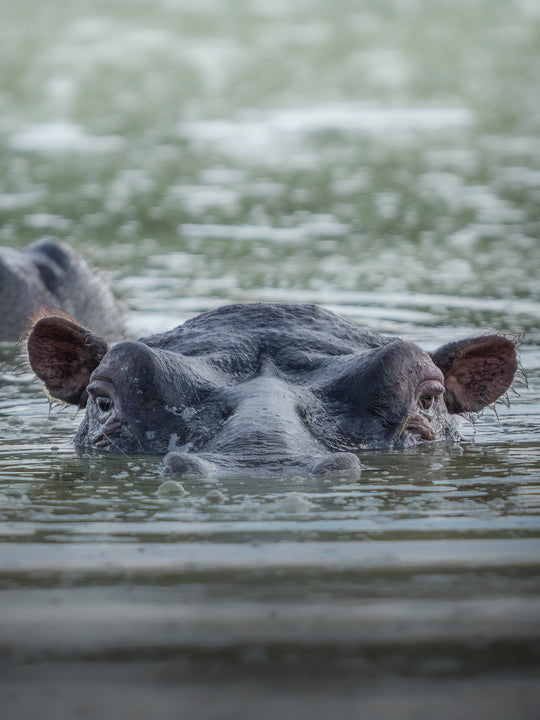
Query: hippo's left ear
(63, 355)
(477, 371)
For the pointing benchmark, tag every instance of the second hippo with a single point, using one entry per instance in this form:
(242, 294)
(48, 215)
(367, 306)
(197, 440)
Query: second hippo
(50, 275)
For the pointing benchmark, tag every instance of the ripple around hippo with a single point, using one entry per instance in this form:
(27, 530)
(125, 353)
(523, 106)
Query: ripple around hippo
(266, 387)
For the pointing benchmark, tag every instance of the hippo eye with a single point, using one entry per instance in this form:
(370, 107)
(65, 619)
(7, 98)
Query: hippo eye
(429, 394)
(104, 403)
(428, 401)
(101, 397)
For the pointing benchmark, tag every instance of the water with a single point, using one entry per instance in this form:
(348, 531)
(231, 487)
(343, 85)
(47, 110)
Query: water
(379, 158)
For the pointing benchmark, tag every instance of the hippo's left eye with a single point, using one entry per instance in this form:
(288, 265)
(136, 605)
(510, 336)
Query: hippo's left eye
(428, 401)
(429, 394)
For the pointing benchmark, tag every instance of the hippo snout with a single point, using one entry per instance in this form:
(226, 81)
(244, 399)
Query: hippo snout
(188, 465)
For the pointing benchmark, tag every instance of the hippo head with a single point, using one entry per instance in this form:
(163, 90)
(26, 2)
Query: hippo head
(265, 386)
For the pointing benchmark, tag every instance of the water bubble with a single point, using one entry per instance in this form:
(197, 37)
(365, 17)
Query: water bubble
(171, 488)
(215, 496)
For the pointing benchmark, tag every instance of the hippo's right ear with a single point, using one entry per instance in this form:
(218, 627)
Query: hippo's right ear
(63, 355)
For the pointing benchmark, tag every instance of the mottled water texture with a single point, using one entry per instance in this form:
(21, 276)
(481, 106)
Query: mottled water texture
(379, 158)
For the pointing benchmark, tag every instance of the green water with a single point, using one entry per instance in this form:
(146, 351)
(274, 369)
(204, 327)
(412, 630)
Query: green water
(379, 158)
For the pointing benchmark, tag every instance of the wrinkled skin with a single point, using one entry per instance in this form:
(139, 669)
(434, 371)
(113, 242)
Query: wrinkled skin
(265, 387)
(49, 275)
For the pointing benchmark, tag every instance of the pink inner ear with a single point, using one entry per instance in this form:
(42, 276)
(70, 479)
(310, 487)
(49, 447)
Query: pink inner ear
(477, 371)
(63, 355)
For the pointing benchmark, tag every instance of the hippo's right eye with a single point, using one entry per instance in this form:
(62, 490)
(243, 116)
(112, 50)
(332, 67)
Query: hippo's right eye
(101, 397)
(104, 403)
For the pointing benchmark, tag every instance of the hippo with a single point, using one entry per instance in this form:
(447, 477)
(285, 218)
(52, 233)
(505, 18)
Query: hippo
(264, 387)
(50, 274)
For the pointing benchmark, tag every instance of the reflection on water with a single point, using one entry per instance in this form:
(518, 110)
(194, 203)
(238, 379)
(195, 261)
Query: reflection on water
(381, 160)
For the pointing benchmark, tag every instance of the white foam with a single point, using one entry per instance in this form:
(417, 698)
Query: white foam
(255, 130)
(41, 221)
(197, 198)
(317, 226)
(61, 137)
(13, 201)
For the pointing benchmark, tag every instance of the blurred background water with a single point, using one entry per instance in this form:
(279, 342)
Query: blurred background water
(379, 158)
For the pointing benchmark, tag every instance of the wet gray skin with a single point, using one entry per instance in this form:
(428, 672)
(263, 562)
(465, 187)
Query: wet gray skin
(265, 386)
(47, 276)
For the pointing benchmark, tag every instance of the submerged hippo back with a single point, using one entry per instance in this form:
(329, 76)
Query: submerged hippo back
(50, 276)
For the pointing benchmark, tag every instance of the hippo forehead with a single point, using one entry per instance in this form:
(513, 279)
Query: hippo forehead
(238, 342)
(235, 338)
